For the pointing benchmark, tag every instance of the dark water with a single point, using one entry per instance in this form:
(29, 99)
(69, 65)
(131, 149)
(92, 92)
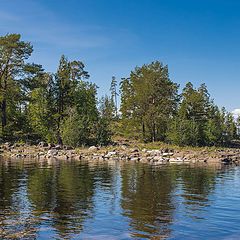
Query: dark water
(79, 200)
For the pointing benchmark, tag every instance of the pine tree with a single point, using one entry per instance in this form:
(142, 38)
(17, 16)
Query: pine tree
(149, 99)
(13, 53)
(114, 94)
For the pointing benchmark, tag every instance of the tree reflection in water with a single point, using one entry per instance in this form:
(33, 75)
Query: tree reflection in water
(149, 195)
(65, 192)
(63, 200)
(147, 200)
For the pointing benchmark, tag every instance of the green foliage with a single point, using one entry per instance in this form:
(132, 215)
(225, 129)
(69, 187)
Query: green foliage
(184, 132)
(63, 107)
(75, 129)
(84, 124)
(114, 95)
(149, 98)
(72, 92)
(230, 128)
(214, 127)
(13, 53)
(107, 108)
(40, 110)
(106, 120)
(103, 132)
(151, 110)
(199, 122)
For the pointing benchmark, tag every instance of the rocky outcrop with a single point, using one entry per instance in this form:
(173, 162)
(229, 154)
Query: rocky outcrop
(45, 151)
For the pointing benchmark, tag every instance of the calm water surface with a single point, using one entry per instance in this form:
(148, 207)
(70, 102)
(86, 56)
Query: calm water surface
(80, 200)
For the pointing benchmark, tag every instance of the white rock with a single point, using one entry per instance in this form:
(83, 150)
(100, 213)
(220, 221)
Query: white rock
(93, 148)
(176, 160)
(167, 154)
(52, 152)
(109, 154)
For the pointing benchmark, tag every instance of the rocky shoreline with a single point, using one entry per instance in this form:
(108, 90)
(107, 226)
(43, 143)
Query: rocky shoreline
(44, 151)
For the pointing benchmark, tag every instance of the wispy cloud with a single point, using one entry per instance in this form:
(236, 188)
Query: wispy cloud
(58, 35)
(46, 28)
(66, 36)
(53, 33)
(50, 31)
(6, 16)
(40, 25)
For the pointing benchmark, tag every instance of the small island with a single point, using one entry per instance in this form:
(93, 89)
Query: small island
(60, 115)
(112, 120)
(63, 108)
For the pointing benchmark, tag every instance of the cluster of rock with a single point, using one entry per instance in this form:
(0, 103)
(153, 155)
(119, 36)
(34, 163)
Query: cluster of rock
(163, 156)
(41, 151)
(44, 151)
(135, 155)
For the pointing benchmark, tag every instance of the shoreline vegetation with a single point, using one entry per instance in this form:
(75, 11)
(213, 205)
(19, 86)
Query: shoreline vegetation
(42, 112)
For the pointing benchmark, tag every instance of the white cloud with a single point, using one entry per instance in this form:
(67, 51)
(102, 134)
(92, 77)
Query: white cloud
(236, 113)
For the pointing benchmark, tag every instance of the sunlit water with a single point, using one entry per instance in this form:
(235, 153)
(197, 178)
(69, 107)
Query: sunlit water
(87, 200)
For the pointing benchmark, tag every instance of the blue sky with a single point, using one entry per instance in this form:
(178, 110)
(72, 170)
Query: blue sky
(198, 39)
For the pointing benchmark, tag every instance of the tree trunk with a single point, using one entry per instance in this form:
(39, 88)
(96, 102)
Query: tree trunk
(116, 113)
(59, 139)
(154, 132)
(143, 131)
(4, 105)
(4, 113)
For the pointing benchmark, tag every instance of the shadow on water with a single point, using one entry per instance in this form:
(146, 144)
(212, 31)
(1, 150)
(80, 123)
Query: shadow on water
(87, 200)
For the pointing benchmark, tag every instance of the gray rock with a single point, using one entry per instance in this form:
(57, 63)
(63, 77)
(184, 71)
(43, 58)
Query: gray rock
(93, 148)
(67, 147)
(42, 144)
(143, 160)
(176, 160)
(58, 147)
(51, 145)
(134, 150)
(167, 154)
(135, 159)
(123, 147)
(52, 153)
(110, 154)
(157, 159)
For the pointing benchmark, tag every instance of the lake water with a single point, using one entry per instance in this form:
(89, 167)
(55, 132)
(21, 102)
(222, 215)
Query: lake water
(87, 200)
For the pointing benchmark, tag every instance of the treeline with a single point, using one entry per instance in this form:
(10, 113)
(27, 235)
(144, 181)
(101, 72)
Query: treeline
(59, 107)
(63, 107)
(152, 106)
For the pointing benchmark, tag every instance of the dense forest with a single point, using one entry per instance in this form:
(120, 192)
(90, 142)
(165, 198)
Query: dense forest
(64, 108)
